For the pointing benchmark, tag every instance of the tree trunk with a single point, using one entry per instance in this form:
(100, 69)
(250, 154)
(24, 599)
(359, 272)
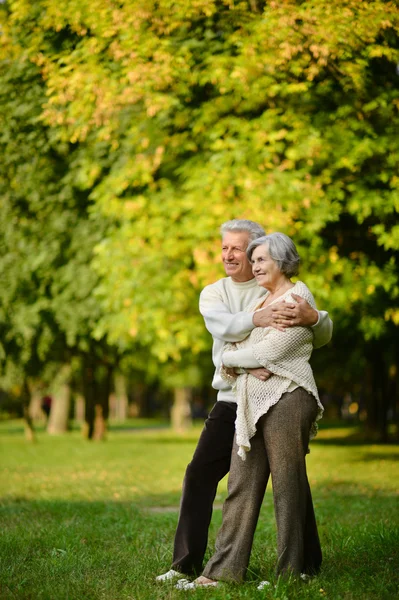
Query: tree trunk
(61, 401)
(120, 397)
(256, 6)
(30, 435)
(141, 399)
(377, 400)
(35, 404)
(101, 409)
(181, 413)
(79, 413)
(89, 391)
(97, 388)
(394, 390)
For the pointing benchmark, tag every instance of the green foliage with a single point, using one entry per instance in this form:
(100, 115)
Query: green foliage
(169, 118)
(47, 309)
(188, 117)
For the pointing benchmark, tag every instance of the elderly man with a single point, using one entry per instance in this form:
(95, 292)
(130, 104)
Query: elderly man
(222, 305)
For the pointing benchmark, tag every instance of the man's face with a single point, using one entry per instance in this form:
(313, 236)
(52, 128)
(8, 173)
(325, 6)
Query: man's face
(234, 257)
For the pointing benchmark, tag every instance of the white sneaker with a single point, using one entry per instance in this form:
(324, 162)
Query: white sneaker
(172, 574)
(263, 584)
(185, 584)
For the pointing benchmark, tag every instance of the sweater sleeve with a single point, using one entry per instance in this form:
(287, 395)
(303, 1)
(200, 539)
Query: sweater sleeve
(243, 357)
(219, 321)
(322, 330)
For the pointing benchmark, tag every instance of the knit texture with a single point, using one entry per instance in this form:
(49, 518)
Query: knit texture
(224, 307)
(286, 354)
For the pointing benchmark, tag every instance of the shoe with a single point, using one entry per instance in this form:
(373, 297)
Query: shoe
(200, 582)
(263, 584)
(168, 576)
(305, 577)
(185, 584)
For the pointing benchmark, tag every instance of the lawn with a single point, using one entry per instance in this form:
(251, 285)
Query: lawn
(88, 520)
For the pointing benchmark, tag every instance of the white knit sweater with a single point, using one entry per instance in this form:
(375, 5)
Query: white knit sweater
(224, 306)
(286, 354)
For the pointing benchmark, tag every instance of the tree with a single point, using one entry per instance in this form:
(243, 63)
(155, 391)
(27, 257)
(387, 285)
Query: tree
(181, 117)
(48, 310)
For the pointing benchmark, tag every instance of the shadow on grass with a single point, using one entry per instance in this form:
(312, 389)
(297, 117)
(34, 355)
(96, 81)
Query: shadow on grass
(332, 495)
(350, 436)
(371, 456)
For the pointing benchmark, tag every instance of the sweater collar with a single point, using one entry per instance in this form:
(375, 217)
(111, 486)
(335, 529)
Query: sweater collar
(244, 284)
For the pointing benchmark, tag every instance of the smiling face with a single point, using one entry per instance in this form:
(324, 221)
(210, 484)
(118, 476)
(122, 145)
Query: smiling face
(234, 257)
(266, 271)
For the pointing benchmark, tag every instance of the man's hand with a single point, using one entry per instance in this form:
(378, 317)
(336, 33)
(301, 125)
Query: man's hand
(288, 314)
(260, 373)
(264, 317)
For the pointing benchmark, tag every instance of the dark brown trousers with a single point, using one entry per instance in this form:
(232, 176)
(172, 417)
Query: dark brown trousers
(210, 463)
(278, 449)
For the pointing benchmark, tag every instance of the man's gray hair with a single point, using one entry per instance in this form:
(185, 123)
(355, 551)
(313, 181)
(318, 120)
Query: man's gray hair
(236, 225)
(281, 249)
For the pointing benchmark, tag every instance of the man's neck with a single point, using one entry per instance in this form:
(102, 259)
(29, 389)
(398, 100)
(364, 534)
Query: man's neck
(242, 280)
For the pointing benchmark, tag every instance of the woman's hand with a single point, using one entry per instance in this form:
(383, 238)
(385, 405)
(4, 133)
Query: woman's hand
(266, 317)
(260, 373)
(229, 371)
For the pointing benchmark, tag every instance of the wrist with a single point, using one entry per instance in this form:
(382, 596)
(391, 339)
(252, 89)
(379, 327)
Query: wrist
(262, 318)
(315, 318)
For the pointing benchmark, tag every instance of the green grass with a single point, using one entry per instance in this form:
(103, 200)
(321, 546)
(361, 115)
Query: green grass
(86, 520)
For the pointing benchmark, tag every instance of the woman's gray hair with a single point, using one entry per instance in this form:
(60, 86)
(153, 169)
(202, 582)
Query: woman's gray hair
(281, 249)
(236, 225)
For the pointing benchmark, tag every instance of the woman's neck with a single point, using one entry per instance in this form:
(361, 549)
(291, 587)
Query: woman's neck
(278, 290)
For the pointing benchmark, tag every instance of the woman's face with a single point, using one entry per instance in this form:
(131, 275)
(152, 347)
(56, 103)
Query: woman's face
(266, 271)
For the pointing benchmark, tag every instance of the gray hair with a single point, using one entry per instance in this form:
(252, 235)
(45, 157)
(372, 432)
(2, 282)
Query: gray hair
(281, 249)
(253, 229)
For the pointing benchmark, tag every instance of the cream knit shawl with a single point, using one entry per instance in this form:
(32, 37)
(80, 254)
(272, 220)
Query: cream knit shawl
(286, 354)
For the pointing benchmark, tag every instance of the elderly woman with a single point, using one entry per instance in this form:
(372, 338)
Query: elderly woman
(275, 420)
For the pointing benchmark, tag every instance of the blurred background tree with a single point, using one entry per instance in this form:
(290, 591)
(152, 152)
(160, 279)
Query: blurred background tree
(138, 128)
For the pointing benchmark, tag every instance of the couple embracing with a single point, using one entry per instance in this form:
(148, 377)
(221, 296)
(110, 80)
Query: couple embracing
(264, 328)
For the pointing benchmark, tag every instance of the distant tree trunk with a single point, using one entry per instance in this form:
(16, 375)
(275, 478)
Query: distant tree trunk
(133, 409)
(121, 399)
(97, 386)
(143, 395)
(61, 402)
(377, 398)
(79, 413)
(28, 423)
(395, 390)
(89, 392)
(35, 403)
(101, 409)
(140, 396)
(181, 413)
(254, 5)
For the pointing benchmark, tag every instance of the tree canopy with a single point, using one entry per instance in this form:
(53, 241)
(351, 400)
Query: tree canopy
(167, 118)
